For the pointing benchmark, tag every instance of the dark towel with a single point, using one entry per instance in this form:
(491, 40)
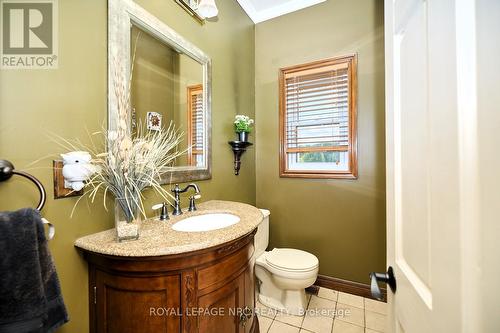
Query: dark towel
(30, 295)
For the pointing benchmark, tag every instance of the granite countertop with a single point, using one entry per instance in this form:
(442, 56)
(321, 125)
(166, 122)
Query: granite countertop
(158, 238)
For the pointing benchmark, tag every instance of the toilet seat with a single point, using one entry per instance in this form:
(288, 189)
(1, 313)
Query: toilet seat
(292, 260)
(304, 268)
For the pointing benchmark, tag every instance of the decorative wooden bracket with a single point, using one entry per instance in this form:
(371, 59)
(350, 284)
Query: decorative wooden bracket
(239, 147)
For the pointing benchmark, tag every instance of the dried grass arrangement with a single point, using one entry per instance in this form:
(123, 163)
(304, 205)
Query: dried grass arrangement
(125, 164)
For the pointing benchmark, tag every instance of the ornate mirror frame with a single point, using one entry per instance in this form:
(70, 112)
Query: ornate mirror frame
(121, 15)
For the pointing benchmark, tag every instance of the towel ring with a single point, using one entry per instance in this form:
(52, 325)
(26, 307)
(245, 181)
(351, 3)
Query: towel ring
(52, 229)
(7, 171)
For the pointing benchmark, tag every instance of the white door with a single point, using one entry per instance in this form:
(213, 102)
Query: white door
(434, 159)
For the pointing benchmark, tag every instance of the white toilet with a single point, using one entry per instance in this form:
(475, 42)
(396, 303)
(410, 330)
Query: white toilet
(282, 274)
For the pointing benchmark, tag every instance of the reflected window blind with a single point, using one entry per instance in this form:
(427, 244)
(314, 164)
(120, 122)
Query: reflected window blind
(317, 109)
(195, 104)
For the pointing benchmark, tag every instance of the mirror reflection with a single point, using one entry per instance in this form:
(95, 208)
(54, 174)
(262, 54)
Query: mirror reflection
(167, 88)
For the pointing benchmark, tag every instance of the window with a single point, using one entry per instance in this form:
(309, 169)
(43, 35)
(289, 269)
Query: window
(195, 125)
(318, 119)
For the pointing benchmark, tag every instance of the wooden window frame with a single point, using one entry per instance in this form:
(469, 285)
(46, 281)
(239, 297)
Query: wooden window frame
(352, 173)
(191, 90)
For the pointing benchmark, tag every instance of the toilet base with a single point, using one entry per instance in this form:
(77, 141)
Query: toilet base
(283, 290)
(295, 302)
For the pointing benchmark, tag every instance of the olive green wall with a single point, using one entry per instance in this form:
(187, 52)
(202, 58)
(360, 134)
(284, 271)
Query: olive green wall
(153, 80)
(341, 221)
(159, 83)
(64, 101)
(189, 73)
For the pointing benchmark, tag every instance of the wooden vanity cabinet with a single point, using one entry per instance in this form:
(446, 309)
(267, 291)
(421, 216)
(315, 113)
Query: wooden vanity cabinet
(210, 290)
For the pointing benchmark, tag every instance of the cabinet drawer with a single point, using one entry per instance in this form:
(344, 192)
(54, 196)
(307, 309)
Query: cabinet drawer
(226, 268)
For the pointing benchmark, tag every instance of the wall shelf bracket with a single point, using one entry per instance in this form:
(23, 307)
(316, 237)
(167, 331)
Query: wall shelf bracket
(239, 147)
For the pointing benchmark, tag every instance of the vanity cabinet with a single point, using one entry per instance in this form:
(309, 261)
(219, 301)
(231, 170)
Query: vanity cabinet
(209, 290)
(222, 301)
(122, 303)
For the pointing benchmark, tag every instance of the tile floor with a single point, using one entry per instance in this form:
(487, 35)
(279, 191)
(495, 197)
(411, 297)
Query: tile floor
(328, 312)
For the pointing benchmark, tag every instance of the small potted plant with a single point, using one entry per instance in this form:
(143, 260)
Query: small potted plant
(243, 125)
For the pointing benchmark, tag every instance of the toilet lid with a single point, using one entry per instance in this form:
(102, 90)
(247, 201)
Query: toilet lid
(292, 260)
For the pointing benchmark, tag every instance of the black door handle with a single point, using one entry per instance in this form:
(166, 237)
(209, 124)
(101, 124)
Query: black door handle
(382, 277)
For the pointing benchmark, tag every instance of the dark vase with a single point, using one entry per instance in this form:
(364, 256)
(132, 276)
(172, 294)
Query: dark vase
(243, 136)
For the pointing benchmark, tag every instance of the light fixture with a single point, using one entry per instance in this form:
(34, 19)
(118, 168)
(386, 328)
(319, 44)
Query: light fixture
(207, 8)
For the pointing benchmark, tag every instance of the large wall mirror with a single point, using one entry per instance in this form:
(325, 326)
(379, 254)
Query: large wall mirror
(170, 83)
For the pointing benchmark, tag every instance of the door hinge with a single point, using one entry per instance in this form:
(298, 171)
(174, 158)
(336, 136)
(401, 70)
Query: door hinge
(95, 295)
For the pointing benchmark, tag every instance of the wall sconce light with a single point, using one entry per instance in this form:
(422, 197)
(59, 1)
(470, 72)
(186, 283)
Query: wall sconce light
(208, 8)
(77, 169)
(199, 9)
(71, 173)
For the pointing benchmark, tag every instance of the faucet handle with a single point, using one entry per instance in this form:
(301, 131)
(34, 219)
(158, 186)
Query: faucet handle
(163, 212)
(192, 205)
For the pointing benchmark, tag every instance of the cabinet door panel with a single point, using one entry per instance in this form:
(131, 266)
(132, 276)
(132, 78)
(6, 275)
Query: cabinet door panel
(225, 303)
(137, 304)
(250, 294)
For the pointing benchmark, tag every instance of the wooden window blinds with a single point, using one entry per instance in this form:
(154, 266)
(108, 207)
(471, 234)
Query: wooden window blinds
(195, 125)
(318, 119)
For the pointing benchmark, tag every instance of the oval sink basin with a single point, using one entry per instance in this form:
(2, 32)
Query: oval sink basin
(206, 222)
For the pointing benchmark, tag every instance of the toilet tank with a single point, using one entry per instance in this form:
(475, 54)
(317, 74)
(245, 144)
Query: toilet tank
(262, 236)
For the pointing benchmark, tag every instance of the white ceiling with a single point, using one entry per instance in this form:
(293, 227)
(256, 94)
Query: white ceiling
(262, 10)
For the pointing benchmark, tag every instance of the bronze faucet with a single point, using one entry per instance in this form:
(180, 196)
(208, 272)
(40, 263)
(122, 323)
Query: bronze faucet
(177, 191)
